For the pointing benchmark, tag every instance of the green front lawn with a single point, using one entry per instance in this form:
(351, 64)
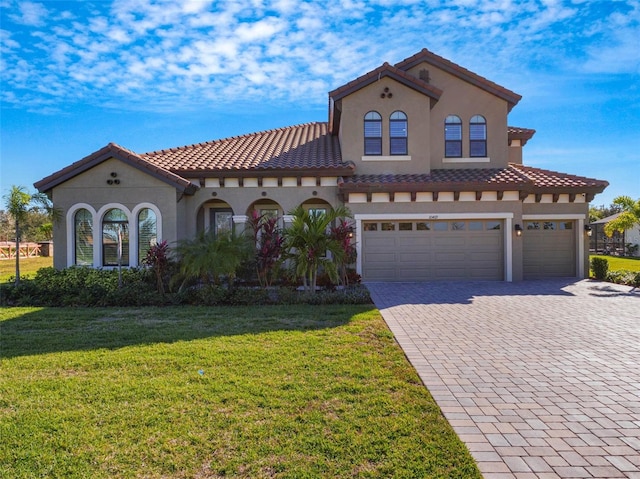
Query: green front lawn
(28, 267)
(287, 392)
(617, 263)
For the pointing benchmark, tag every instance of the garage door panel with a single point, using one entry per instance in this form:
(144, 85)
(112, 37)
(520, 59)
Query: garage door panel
(426, 255)
(549, 253)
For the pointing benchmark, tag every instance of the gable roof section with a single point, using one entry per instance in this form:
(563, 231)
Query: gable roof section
(525, 179)
(384, 71)
(129, 157)
(425, 56)
(306, 148)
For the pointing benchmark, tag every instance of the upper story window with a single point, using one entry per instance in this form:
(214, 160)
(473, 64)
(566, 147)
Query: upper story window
(453, 137)
(115, 238)
(398, 133)
(478, 136)
(373, 133)
(83, 237)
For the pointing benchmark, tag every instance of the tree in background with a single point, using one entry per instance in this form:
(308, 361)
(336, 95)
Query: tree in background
(628, 218)
(19, 204)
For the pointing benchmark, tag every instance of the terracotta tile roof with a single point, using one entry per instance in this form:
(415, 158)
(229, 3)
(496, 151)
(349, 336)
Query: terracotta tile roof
(514, 177)
(548, 179)
(113, 150)
(304, 147)
(441, 179)
(522, 134)
(429, 57)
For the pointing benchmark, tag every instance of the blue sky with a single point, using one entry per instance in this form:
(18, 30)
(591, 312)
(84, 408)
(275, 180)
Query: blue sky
(76, 75)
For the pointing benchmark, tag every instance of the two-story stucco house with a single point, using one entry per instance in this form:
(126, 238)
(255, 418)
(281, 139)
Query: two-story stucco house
(421, 153)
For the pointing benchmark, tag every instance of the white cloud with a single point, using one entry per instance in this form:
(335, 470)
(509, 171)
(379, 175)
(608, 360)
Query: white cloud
(178, 53)
(30, 13)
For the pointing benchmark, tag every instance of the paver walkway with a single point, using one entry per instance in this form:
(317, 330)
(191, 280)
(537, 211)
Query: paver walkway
(541, 379)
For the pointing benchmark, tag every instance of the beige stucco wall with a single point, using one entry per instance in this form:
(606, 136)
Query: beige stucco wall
(91, 188)
(466, 100)
(415, 105)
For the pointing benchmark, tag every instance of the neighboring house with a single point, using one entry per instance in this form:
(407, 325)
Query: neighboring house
(420, 152)
(617, 243)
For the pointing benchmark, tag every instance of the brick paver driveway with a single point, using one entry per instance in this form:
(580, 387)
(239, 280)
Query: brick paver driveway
(541, 379)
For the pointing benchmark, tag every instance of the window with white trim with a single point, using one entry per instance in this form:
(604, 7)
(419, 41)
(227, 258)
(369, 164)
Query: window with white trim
(453, 137)
(478, 136)
(115, 238)
(373, 133)
(83, 237)
(147, 232)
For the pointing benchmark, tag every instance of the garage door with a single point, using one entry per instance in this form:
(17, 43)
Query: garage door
(432, 250)
(549, 249)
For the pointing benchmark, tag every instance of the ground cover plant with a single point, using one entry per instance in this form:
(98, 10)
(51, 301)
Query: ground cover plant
(215, 392)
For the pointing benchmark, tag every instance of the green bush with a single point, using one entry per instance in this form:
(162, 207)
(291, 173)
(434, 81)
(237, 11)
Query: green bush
(600, 267)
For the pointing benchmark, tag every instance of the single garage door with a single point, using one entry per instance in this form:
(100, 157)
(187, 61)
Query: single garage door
(549, 249)
(432, 250)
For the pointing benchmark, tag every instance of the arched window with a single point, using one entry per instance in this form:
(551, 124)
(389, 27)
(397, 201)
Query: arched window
(115, 238)
(147, 232)
(373, 133)
(398, 133)
(453, 137)
(478, 136)
(83, 238)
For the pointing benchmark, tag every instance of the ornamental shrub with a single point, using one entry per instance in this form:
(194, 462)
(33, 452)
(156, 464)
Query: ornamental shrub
(600, 267)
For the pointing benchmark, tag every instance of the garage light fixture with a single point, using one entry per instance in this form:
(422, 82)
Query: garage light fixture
(587, 229)
(518, 230)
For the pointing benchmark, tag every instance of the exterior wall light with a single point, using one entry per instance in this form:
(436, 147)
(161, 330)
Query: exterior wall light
(518, 229)
(587, 229)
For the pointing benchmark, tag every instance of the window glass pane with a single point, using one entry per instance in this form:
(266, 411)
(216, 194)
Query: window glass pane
(371, 226)
(475, 226)
(493, 225)
(477, 132)
(440, 226)
(147, 232)
(388, 226)
(398, 115)
(373, 146)
(372, 129)
(457, 225)
(423, 226)
(269, 213)
(568, 225)
(405, 226)
(398, 128)
(398, 146)
(478, 148)
(83, 226)
(533, 225)
(453, 148)
(453, 132)
(223, 221)
(549, 225)
(373, 115)
(115, 238)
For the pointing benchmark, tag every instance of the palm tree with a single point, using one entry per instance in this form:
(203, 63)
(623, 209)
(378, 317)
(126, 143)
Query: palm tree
(307, 242)
(19, 202)
(629, 216)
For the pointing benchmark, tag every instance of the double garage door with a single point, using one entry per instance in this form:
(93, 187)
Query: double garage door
(433, 250)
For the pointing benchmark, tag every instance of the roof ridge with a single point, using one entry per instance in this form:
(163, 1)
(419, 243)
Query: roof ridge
(229, 138)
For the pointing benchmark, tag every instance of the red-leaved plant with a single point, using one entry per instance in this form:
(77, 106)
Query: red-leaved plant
(158, 259)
